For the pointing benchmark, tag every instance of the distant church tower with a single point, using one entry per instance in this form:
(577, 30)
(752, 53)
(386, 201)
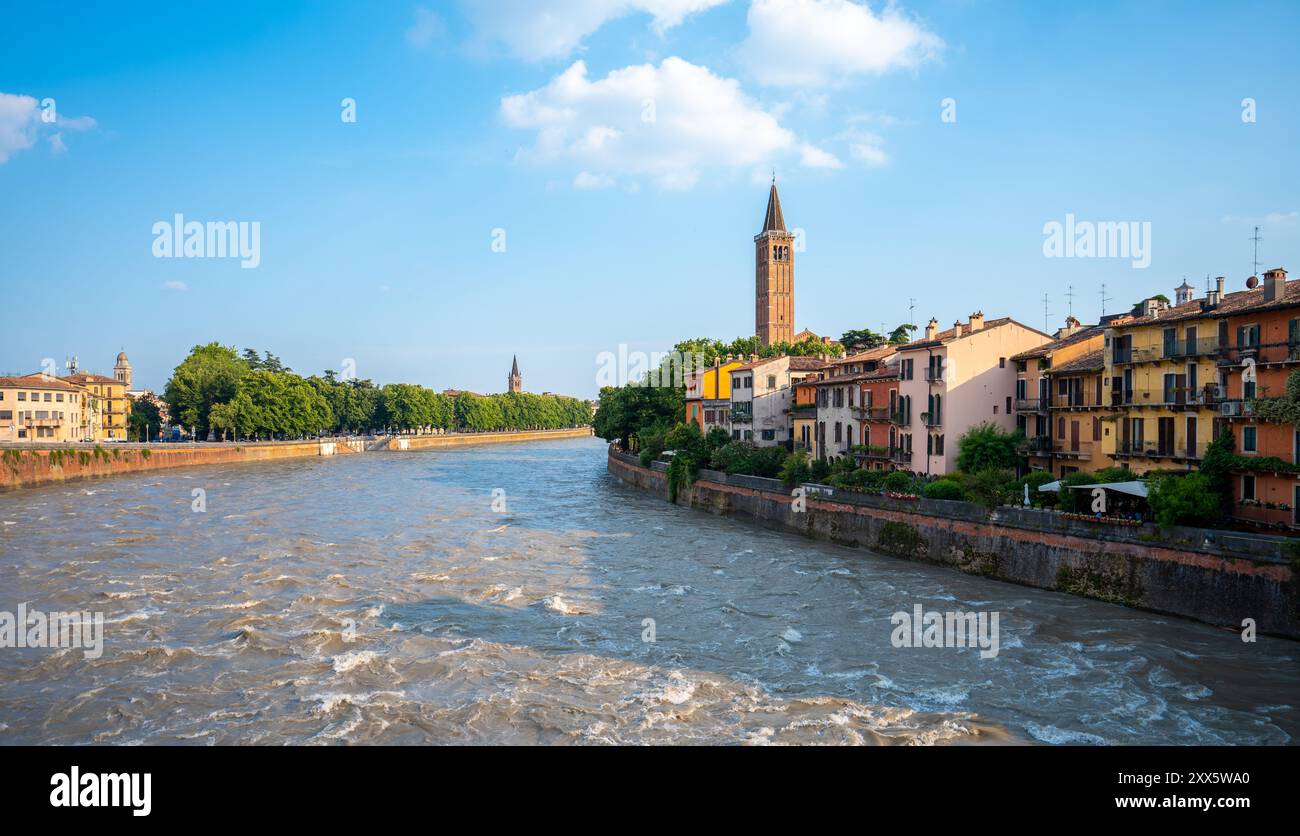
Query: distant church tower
(774, 276)
(122, 371)
(516, 379)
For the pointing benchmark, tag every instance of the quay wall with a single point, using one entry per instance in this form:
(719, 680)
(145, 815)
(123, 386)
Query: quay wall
(1218, 577)
(24, 466)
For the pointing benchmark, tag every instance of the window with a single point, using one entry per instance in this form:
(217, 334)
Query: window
(1247, 486)
(48, 397)
(59, 397)
(1002, 362)
(22, 396)
(1008, 404)
(1021, 385)
(6, 415)
(749, 435)
(771, 381)
(1248, 389)
(938, 445)
(839, 432)
(1248, 439)
(769, 435)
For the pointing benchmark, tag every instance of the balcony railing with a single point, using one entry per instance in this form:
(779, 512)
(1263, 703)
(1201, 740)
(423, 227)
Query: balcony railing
(931, 420)
(1208, 395)
(1040, 444)
(898, 417)
(1288, 352)
(1178, 349)
(741, 416)
(1029, 404)
(933, 375)
(1077, 400)
(1168, 450)
(871, 413)
(1065, 447)
(1237, 409)
(900, 456)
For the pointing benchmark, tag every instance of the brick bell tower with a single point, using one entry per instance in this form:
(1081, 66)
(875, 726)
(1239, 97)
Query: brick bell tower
(774, 276)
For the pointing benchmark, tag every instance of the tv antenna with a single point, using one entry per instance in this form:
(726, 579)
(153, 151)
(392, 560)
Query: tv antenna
(1104, 299)
(911, 312)
(1256, 239)
(1069, 296)
(1047, 315)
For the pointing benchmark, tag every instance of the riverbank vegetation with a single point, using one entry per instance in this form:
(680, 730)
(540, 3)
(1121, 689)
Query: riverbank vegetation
(219, 391)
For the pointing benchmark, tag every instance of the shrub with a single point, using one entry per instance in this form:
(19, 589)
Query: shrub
(991, 487)
(1183, 500)
(820, 470)
(1035, 479)
(988, 446)
(767, 461)
(899, 481)
(795, 469)
(944, 489)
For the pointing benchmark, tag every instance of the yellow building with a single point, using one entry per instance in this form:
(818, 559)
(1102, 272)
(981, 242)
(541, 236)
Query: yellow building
(41, 408)
(1163, 383)
(110, 405)
(708, 396)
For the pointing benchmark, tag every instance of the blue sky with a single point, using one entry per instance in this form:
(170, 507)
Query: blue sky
(376, 236)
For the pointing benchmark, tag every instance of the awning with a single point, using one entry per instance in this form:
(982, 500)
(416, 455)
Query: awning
(1051, 486)
(1134, 488)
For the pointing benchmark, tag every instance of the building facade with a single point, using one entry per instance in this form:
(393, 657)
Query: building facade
(708, 396)
(762, 398)
(954, 380)
(40, 408)
(110, 405)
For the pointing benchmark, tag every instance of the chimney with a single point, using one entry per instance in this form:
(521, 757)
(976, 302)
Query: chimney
(977, 321)
(1072, 326)
(753, 358)
(959, 329)
(1274, 283)
(932, 329)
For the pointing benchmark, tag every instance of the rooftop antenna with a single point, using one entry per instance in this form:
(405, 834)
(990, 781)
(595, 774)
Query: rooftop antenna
(1069, 296)
(1047, 314)
(911, 312)
(1256, 239)
(1104, 300)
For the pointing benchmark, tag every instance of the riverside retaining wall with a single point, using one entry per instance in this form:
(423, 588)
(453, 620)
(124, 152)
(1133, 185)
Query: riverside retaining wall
(1218, 577)
(30, 465)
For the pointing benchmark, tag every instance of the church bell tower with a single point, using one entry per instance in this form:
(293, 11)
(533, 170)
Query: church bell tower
(774, 276)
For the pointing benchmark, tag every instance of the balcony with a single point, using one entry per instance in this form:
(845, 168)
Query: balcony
(1263, 355)
(900, 456)
(899, 418)
(1077, 400)
(1040, 445)
(1076, 449)
(1030, 405)
(1184, 348)
(934, 375)
(871, 413)
(931, 420)
(868, 451)
(1237, 409)
(1172, 397)
(741, 416)
(1157, 450)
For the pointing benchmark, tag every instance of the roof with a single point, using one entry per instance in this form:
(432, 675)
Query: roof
(773, 221)
(1232, 304)
(1093, 361)
(82, 378)
(878, 353)
(797, 364)
(951, 334)
(1085, 333)
(842, 379)
(38, 381)
(514, 367)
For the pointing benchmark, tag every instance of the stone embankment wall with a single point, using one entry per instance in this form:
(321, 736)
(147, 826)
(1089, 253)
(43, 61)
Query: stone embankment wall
(28, 465)
(1219, 577)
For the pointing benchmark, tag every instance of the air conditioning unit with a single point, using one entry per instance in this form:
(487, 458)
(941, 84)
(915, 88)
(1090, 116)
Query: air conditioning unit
(1230, 408)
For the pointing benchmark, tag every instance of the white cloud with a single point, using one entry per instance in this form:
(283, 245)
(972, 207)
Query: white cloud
(669, 123)
(1270, 219)
(175, 286)
(21, 124)
(18, 123)
(426, 28)
(586, 181)
(818, 42)
(814, 157)
(534, 30)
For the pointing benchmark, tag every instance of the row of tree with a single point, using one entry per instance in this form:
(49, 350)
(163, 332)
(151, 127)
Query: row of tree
(216, 390)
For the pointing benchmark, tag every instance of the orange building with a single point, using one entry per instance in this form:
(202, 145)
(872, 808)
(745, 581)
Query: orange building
(1259, 349)
(878, 431)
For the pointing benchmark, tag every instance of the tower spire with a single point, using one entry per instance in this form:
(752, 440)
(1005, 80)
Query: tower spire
(773, 221)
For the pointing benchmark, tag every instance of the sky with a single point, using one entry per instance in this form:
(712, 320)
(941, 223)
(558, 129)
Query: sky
(555, 180)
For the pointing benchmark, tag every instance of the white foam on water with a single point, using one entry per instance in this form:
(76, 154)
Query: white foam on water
(1057, 736)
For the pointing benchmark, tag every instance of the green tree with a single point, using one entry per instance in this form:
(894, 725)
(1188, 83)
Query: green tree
(988, 446)
(1183, 500)
(209, 375)
(145, 420)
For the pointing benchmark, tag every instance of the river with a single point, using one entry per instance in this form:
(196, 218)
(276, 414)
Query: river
(500, 594)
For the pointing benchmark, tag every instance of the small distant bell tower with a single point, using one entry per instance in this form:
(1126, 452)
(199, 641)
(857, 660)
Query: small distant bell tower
(774, 276)
(122, 370)
(516, 379)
